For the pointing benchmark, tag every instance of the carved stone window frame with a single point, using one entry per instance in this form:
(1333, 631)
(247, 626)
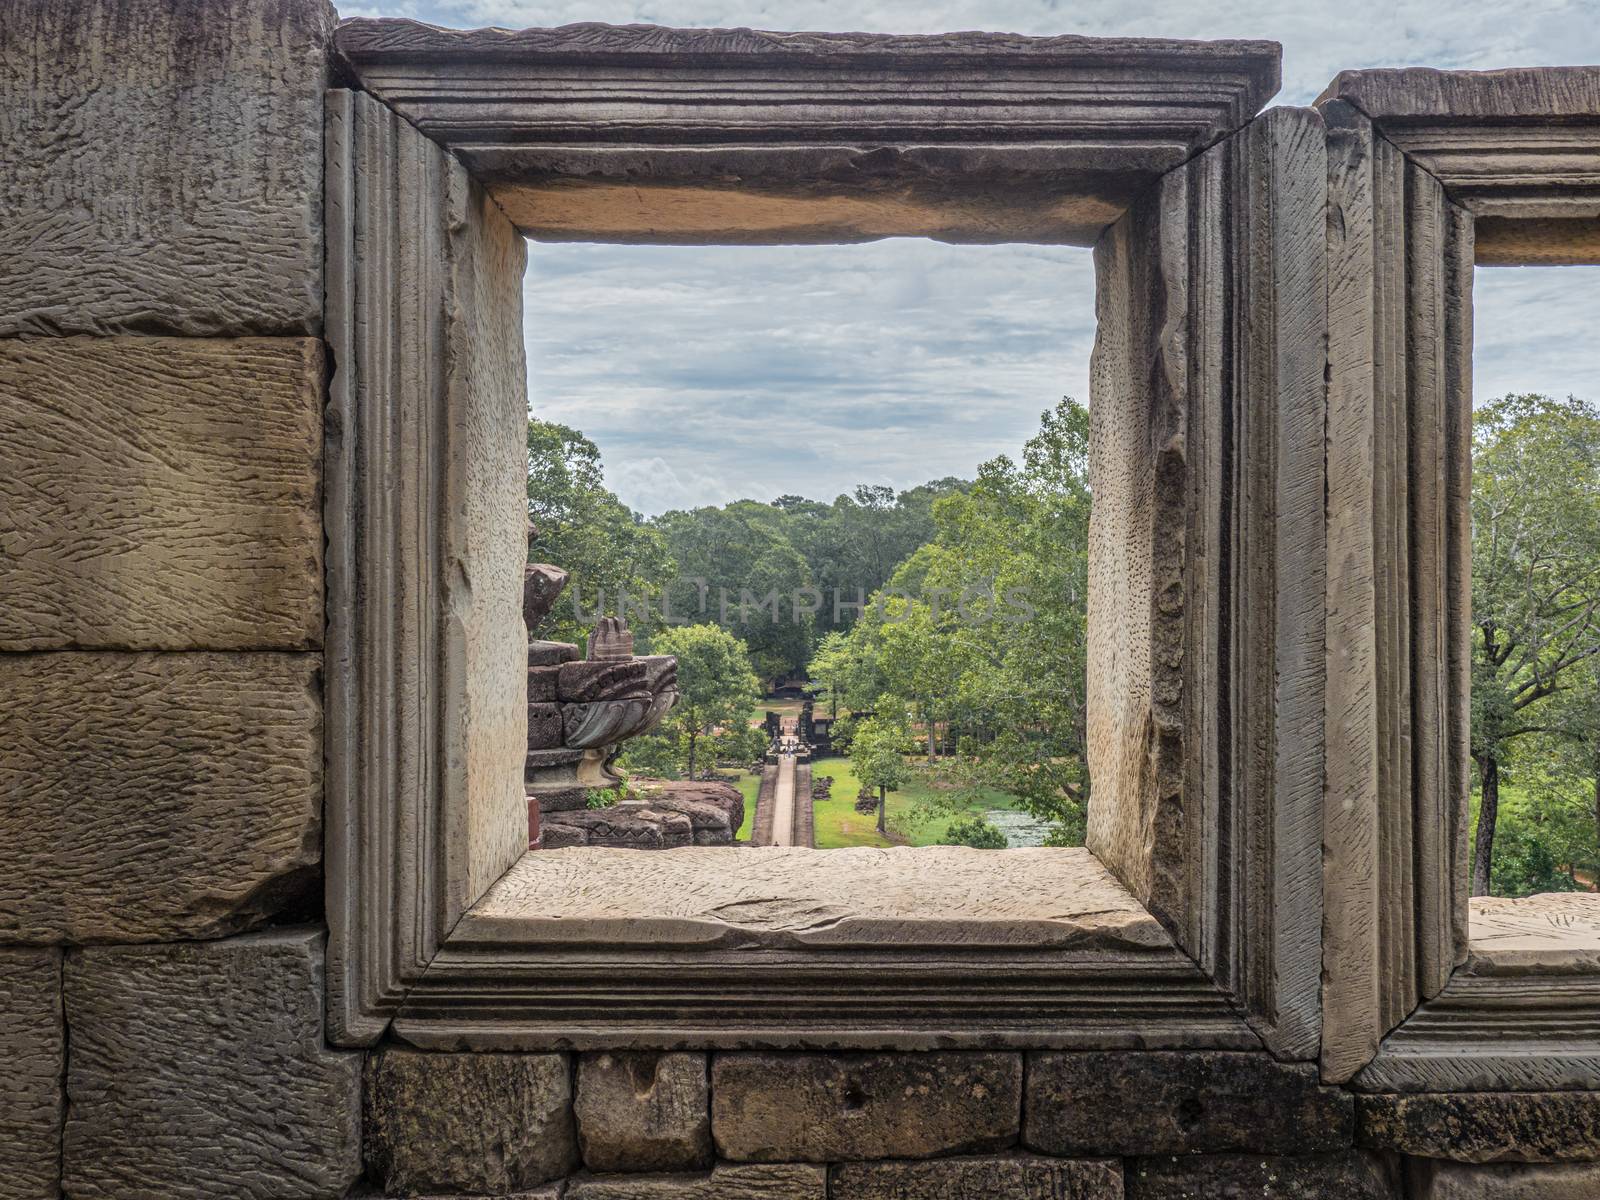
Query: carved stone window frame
(1430, 172)
(1208, 380)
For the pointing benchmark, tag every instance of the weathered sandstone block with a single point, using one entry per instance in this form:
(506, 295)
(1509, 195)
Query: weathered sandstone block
(828, 1107)
(1484, 1127)
(156, 796)
(1231, 1176)
(200, 1070)
(544, 725)
(542, 684)
(1188, 1102)
(1432, 1180)
(785, 1181)
(174, 186)
(639, 1111)
(551, 654)
(623, 826)
(32, 1052)
(1014, 1177)
(587, 682)
(161, 493)
(716, 809)
(476, 1123)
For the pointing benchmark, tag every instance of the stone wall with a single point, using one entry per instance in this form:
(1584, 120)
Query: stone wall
(162, 384)
(162, 939)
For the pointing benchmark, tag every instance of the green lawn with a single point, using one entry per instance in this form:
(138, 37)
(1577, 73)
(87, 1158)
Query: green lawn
(748, 783)
(839, 824)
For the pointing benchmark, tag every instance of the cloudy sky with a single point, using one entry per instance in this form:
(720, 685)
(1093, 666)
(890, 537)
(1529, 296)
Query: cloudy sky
(708, 374)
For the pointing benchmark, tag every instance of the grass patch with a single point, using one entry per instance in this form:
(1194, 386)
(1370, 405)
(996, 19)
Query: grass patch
(749, 784)
(838, 824)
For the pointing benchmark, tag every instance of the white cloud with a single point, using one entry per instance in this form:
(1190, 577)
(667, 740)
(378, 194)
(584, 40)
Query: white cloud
(1536, 329)
(752, 371)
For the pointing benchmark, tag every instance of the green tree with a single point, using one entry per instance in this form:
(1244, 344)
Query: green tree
(974, 831)
(1536, 580)
(877, 755)
(581, 526)
(987, 634)
(846, 675)
(717, 685)
(737, 567)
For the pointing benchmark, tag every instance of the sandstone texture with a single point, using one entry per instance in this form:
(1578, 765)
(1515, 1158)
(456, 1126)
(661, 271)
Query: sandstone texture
(1555, 931)
(171, 186)
(161, 493)
(622, 826)
(1484, 1127)
(154, 797)
(1185, 1102)
(787, 1181)
(474, 1123)
(933, 896)
(32, 1055)
(715, 809)
(641, 1111)
(544, 724)
(200, 1070)
(1465, 1181)
(830, 1107)
(1015, 1177)
(1247, 1177)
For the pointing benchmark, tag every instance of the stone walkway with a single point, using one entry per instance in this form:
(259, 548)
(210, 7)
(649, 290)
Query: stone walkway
(783, 803)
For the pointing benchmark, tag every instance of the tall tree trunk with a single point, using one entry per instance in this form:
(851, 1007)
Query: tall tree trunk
(1488, 814)
(691, 753)
(883, 803)
(927, 724)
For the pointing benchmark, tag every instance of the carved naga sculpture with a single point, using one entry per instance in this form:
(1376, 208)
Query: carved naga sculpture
(581, 711)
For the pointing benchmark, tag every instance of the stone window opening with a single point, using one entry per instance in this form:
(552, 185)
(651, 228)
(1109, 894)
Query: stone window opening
(982, 138)
(793, 378)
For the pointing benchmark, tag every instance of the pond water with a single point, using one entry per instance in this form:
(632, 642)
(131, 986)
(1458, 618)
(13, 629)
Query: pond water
(1020, 828)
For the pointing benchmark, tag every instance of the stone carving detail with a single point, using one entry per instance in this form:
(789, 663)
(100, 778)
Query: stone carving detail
(579, 714)
(1399, 399)
(424, 507)
(586, 709)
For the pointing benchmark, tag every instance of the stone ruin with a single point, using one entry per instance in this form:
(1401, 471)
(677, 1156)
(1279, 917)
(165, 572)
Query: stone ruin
(262, 397)
(580, 713)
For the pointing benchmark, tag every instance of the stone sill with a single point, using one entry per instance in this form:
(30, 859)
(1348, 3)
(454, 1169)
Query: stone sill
(724, 897)
(1553, 933)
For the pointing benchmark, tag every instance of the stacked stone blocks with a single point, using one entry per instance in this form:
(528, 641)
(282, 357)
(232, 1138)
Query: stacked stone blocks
(162, 383)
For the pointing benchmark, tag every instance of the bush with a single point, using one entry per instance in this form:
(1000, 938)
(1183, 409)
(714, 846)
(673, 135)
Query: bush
(975, 832)
(1523, 865)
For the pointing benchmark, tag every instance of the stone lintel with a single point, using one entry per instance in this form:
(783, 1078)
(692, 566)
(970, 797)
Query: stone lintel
(1470, 97)
(643, 133)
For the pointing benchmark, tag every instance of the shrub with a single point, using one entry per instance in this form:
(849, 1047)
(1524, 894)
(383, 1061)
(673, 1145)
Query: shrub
(975, 832)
